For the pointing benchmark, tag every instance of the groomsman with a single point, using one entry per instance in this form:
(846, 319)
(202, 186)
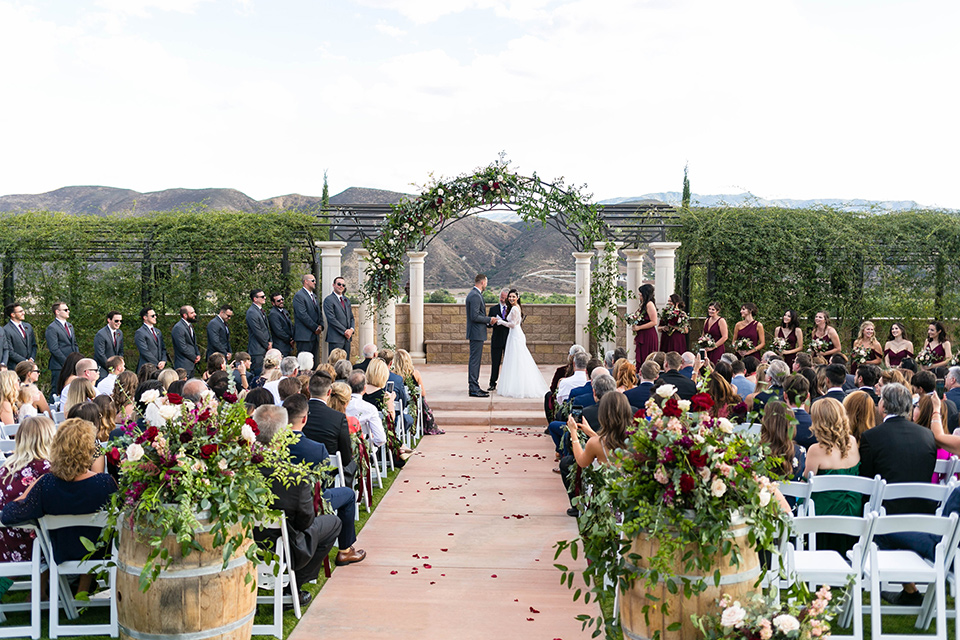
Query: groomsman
(108, 342)
(306, 313)
(150, 341)
(218, 333)
(21, 341)
(258, 341)
(61, 341)
(498, 339)
(186, 353)
(281, 327)
(339, 315)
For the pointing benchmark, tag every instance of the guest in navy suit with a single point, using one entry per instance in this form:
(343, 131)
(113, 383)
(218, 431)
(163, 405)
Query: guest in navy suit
(638, 396)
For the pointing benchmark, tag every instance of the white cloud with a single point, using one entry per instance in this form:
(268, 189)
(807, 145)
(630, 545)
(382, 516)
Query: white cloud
(389, 30)
(142, 8)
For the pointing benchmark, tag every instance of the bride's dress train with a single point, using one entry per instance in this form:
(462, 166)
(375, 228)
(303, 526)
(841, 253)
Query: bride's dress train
(519, 375)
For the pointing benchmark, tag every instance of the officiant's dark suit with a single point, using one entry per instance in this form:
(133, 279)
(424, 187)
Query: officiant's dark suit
(477, 324)
(339, 316)
(498, 340)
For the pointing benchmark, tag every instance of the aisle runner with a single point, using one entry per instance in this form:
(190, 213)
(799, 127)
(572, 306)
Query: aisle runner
(460, 547)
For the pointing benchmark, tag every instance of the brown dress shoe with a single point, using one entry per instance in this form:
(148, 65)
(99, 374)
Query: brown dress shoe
(349, 556)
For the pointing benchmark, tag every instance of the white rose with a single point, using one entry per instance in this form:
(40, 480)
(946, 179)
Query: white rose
(153, 417)
(725, 425)
(376, 260)
(684, 405)
(396, 232)
(440, 191)
(150, 396)
(705, 474)
(207, 395)
(718, 488)
(764, 497)
(786, 623)
(247, 433)
(169, 411)
(222, 464)
(189, 405)
(733, 615)
(666, 391)
(134, 452)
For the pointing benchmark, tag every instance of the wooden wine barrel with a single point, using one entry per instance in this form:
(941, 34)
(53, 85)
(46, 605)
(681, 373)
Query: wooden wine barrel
(737, 581)
(193, 599)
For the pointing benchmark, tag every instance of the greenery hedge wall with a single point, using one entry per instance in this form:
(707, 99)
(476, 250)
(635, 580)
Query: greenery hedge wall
(193, 256)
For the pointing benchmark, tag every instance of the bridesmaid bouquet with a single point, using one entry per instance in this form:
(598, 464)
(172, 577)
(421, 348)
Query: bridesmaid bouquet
(819, 345)
(955, 360)
(780, 345)
(674, 319)
(635, 319)
(925, 358)
(861, 354)
(707, 342)
(743, 344)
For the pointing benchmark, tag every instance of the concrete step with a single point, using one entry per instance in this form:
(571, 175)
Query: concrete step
(493, 403)
(508, 418)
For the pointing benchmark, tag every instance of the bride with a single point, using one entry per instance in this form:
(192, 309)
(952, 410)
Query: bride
(519, 375)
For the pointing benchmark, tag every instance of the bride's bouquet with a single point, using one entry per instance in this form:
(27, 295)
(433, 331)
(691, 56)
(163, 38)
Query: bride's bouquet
(707, 342)
(780, 345)
(674, 319)
(743, 344)
(861, 354)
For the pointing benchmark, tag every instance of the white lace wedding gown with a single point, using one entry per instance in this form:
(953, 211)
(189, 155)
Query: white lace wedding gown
(519, 375)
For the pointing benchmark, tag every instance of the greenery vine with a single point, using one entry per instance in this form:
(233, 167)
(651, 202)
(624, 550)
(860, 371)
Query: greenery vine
(605, 295)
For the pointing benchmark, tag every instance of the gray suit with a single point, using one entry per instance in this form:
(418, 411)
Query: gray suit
(281, 328)
(61, 343)
(20, 349)
(258, 338)
(104, 348)
(151, 346)
(307, 318)
(339, 319)
(218, 337)
(477, 324)
(185, 349)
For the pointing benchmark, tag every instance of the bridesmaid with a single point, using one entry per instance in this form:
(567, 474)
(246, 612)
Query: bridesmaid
(676, 341)
(823, 331)
(898, 346)
(938, 344)
(716, 327)
(646, 332)
(750, 328)
(867, 339)
(790, 331)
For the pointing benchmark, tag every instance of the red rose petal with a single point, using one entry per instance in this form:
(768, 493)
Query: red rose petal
(443, 550)
(493, 576)
(532, 610)
(393, 573)
(427, 566)
(529, 619)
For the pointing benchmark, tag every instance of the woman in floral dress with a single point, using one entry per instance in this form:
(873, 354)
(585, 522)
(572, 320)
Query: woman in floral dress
(25, 465)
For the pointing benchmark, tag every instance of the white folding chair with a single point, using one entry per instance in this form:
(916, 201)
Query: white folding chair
(60, 592)
(58, 417)
(902, 565)
(799, 491)
(10, 430)
(419, 413)
(336, 461)
(7, 447)
(870, 488)
(946, 468)
(281, 579)
(935, 493)
(20, 569)
(829, 567)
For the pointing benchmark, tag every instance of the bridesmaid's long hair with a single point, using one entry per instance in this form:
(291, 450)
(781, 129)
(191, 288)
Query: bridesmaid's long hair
(794, 323)
(647, 293)
(676, 301)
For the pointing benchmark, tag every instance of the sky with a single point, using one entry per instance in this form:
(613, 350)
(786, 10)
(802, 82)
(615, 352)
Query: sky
(782, 98)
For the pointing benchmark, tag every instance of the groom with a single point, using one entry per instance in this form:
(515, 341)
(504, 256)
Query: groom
(477, 324)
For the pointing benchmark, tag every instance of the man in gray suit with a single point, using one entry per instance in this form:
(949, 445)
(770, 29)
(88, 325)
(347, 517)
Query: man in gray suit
(339, 315)
(308, 322)
(477, 324)
(218, 333)
(281, 327)
(258, 335)
(108, 342)
(21, 340)
(61, 341)
(186, 353)
(149, 341)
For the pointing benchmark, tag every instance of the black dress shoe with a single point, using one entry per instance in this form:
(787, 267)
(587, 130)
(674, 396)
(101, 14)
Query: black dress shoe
(304, 596)
(903, 598)
(479, 394)
(572, 512)
(492, 387)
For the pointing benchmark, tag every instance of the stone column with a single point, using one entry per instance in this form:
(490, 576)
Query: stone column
(600, 248)
(581, 335)
(365, 320)
(417, 353)
(329, 269)
(634, 278)
(387, 317)
(665, 257)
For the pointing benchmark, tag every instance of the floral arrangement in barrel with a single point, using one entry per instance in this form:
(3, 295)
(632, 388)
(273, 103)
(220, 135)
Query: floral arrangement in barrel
(683, 479)
(798, 616)
(194, 458)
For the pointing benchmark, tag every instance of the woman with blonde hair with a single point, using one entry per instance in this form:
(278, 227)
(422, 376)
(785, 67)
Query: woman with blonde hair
(80, 390)
(25, 465)
(123, 396)
(890, 376)
(271, 368)
(626, 377)
(403, 367)
(108, 417)
(861, 413)
(336, 356)
(168, 377)
(28, 407)
(9, 397)
(867, 340)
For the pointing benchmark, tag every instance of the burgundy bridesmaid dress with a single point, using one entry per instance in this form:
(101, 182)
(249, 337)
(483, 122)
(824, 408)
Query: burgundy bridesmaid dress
(714, 332)
(750, 331)
(645, 340)
(791, 344)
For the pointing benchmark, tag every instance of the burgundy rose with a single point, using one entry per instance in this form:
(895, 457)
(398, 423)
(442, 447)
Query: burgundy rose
(687, 483)
(253, 425)
(209, 450)
(204, 415)
(148, 435)
(256, 458)
(439, 202)
(211, 431)
(741, 409)
(640, 414)
(230, 397)
(170, 462)
(186, 436)
(671, 408)
(701, 402)
(686, 442)
(114, 456)
(669, 455)
(174, 398)
(698, 459)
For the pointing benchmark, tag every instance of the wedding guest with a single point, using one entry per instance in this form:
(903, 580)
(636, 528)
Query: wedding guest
(673, 338)
(898, 346)
(715, 327)
(923, 416)
(866, 341)
(335, 356)
(796, 392)
(645, 327)
(751, 329)
(24, 466)
(305, 361)
(9, 397)
(725, 396)
(868, 375)
(925, 383)
(146, 372)
(723, 369)
(241, 371)
(688, 363)
(167, 377)
(342, 368)
(776, 373)
(366, 413)
(123, 396)
(836, 376)
(649, 372)
(577, 379)
(289, 368)
(289, 387)
(30, 396)
(369, 352)
(108, 417)
(861, 413)
(215, 362)
(671, 375)
(827, 334)
(790, 331)
(802, 360)
(775, 430)
(328, 426)
(951, 383)
(659, 357)
(115, 366)
(68, 373)
(81, 390)
(739, 381)
(258, 397)
(938, 344)
(615, 417)
(270, 368)
(626, 377)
